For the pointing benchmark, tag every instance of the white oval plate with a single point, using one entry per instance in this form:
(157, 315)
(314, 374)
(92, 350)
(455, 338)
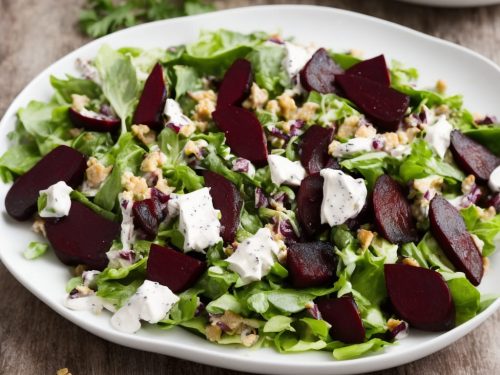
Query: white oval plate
(465, 71)
(453, 3)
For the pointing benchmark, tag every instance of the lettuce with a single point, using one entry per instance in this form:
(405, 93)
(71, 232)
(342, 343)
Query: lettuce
(66, 87)
(356, 350)
(487, 230)
(186, 80)
(488, 136)
(94, 144)
(371, 165)
(35, 249)
(332, 108)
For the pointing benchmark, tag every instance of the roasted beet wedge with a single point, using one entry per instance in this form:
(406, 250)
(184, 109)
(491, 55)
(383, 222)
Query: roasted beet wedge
(82, 237)
(319, 73)
(448, 227)
(383, 105)
(420, 296)
(227, 199)
(172, 268)
(309, 200)
(314, 148)
(365, 216)
(472, 157)
(243, 132)
(149, 111)
(311, 264)
(148, 214)
(343, 315)
(374, 69)
(236, 84)
(61, 164)
(392, 212)
(98, 123)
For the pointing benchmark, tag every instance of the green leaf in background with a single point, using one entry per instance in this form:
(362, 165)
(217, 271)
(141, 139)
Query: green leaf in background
(186, 80)
(488, 136)
(119, 82)
(71, 85)
(345, 60)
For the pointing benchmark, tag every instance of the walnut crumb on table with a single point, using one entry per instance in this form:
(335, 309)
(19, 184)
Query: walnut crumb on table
(63, 371)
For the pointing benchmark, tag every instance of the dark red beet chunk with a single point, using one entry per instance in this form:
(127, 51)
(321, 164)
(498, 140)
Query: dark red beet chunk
(236, 84)
(227, 199)
(311, 264)
(148, 214)
(472, 157)
(448, 227)
(392, 212)
(374, 69)
(319, 73)
(365, 216)
(420, 296)
(383, 105)
(172, 268)
(97, 124)
(82, 237)
(314, 148)
(309, 200)
(244, 133)
(342, 313)
(61, 164)
(149, 111)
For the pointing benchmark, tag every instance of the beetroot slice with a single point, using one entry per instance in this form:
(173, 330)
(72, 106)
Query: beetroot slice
(236, 84)
(61, 164)
(392, 212)
(149, 111)
(79, 120)
(343, 315)
(311, 264)
(472, 157)
(309, 200)
(420, 296)
(448, 227)
(319, 73)
(374, 69)
(227, 199)
(383, 105)
(314, 148)
(172, 268)
(244, 133)
(82, 237)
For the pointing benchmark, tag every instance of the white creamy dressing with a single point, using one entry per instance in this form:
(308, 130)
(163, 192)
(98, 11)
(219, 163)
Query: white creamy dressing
(343, 197)
(118, 258)
(174, 113)
(438, 135)
(494, 181)
(89, 278)
(127, 235)
(151, 303)
(254, 257)
(58, 200)
(401, 151)
(295, 58)
(198, 219)
(353, 146)
(285, 171)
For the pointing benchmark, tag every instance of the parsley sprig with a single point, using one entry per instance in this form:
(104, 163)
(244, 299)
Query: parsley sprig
(102, 17)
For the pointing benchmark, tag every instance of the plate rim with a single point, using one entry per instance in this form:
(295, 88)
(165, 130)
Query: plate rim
(240, 362)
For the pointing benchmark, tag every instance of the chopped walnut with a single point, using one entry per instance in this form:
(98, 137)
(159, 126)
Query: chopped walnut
(348, 128)
(487, 214)
(287, 105)
(79, 102)
(410, 262)
(486, 264)
(187, 130)
(137, 186)
(478, 242)
(144, 134)
(391, 140)
(365, 238)
(392, 324)
(359, 53)
(81, 268)
(442, 109)
(213, 333)
(39, 227)
(441, 86)
(365, 131)
(206, 104)
(468, 183)
(307, 111)
(75, 132)
(430, 183)
(273, 107)
(202, 126)
(96, 172)
(257, 98)
(84, 290)
(332, 147)
(63, 371)
(163, 186)
(153, 161)
(195, 148)
(402, 137)
(249, 338)
(411, 133)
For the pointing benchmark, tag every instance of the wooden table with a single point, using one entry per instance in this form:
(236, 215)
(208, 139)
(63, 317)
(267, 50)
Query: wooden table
(35, 340)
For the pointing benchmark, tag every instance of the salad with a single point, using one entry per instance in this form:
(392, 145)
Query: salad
(260, 192)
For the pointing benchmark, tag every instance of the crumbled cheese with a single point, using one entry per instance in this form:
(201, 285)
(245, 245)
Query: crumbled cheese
(295, 58)
(438, 136)
(58, 200)
(352, 146)
(343, 197)
(494, 180)
(285, 171)
(255, 256)
(151, 303)
(144, 134)
(174, 114)
(257, 98)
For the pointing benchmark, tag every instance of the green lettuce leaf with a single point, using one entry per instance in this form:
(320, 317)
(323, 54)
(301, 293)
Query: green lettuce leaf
(66, 87)
(488, 136)
(357, 350)
(371, 165)
(487, 230)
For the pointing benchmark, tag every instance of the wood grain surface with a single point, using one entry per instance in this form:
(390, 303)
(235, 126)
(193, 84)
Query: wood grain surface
(35, 340)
